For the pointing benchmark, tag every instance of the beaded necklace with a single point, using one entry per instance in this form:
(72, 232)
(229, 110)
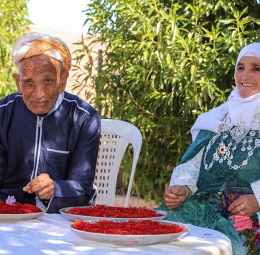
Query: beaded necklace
(226, 148)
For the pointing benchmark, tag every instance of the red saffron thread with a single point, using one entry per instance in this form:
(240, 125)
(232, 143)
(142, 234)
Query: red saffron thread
(18, 208)
(115, 212)
(142, 227)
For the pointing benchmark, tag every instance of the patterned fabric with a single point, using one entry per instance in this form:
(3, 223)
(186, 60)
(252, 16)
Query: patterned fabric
(204, 207)
(187, 173)
(34, 44)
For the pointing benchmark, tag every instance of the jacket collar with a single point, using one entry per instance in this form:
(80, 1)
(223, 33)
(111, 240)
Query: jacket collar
(57, 104)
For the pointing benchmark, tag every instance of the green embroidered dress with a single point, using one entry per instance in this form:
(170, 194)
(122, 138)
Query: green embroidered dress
(230, 162)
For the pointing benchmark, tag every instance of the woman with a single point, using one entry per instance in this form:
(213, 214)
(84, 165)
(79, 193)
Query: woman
(218, 178)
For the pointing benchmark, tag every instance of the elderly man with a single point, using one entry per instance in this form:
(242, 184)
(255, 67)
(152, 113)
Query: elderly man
(48, 138)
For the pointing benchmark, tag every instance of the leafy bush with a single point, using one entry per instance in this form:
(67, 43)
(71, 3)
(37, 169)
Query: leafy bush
(163, 63)
(13, 24)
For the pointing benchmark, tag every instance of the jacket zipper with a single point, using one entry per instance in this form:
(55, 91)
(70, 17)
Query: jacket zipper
(37, 146)
(40, 122)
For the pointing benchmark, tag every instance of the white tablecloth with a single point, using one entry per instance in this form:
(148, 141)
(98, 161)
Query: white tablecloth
(50, 234)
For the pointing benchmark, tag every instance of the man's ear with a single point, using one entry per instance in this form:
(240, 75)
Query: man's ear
(17, 80)
(64, 78)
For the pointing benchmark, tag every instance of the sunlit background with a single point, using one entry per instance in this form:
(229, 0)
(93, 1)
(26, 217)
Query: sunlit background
(58, 14)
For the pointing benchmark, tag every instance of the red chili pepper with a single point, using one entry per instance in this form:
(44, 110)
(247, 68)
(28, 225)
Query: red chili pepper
(142, 227)
(115, 212)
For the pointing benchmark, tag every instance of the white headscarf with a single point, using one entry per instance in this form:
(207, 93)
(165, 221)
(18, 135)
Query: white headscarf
(34, 44)
(241, 110)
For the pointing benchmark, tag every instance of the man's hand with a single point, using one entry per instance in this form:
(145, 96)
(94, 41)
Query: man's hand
(42, 186)
(245, 205)
(175, 195)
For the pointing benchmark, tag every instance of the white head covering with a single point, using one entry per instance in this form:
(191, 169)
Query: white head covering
(34, 44)
(241, 110)
(251, 50)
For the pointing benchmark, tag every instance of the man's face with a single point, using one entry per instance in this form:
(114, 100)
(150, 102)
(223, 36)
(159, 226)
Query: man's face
(40, 81)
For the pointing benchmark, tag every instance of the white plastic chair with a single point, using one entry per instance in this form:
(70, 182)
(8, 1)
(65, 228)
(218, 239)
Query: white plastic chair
(116, 135)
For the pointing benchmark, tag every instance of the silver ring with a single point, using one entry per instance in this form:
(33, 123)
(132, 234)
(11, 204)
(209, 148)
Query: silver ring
(243, 208)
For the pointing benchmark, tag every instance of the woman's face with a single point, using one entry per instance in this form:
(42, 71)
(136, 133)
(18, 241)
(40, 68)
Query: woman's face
(247, 76)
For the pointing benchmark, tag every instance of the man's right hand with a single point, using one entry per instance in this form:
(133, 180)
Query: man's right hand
(42, 186)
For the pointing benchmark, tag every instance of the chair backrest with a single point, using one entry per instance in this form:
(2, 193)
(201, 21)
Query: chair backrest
(116, 135)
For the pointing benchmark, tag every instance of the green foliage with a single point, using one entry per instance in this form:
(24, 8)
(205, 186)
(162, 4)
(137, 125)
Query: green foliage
(164, 62)
(13, 24)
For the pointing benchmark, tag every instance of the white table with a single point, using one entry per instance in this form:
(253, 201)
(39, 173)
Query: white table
(50, 234)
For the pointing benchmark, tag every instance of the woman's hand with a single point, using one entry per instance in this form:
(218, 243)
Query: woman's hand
(175, 195)
(42, 186)
(245, 205)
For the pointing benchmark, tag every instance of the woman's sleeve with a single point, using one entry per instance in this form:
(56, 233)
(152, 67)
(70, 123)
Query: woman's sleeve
(256, 189)
(187, 173)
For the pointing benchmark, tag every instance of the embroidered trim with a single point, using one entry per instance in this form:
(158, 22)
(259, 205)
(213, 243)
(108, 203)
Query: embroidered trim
(228, 144)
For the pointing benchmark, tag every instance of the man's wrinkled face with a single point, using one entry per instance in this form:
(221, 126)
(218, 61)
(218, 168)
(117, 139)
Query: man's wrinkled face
(40, 80)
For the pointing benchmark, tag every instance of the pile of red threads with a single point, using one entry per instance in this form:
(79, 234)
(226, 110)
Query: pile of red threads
(115, 212)
(141, 227)
(18, 208)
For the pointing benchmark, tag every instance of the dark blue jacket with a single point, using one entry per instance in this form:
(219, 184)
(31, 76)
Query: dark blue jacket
(63, 144)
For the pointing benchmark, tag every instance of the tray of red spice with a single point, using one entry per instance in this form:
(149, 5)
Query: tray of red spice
(98, 212)
(16, 211)
(131, 232)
